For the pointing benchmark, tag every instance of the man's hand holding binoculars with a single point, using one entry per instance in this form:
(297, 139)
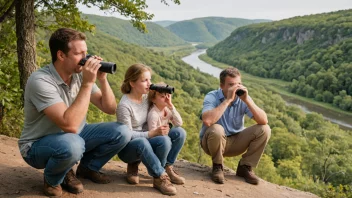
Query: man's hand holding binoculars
(239, 90)
(90, 70)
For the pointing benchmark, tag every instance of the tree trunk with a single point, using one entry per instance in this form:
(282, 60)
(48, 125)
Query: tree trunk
(26, 45)
(1, 111)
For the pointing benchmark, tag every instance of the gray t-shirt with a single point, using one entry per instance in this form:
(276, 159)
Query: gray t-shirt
(45, 88)
(134, 115)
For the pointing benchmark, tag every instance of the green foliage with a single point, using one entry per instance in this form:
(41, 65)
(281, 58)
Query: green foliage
(10, 92)
(313, 52)
(157, 36)
(164, 23)
(204, 45)
(177, 51)
(133, 9)
(208, 29)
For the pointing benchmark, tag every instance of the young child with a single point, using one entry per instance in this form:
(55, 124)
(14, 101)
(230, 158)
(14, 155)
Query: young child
(162, 111)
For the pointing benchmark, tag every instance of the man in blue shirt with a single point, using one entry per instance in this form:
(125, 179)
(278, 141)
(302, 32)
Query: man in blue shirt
(223, 132)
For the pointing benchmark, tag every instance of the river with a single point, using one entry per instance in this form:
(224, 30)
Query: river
(345, 122)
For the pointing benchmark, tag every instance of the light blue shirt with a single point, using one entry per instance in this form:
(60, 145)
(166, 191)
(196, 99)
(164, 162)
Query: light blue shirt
(233, 118)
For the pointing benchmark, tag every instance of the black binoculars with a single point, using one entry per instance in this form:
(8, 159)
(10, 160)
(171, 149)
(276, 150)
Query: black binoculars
(162, 89)
(239, 92)
(106, 67)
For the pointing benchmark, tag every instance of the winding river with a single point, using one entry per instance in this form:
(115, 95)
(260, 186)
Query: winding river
(345, 122)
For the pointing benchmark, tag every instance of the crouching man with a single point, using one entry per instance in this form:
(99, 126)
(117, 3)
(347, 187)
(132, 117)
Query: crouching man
(55, 135)
(223, 133)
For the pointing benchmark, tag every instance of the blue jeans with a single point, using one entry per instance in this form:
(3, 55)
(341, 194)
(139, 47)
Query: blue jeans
(94, 146)
(155, 152)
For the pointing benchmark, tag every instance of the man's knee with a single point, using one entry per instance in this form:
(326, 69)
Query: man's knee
(266, 130)
(215, 131)
(72, 148)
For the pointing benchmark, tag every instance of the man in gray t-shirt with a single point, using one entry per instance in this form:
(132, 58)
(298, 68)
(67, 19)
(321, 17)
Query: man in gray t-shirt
(55, 135)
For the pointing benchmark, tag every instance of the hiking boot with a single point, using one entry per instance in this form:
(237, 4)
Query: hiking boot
(94, 176)
(71, 183)
(164, 185)
(132, 173)
(52, 191)
(174, 177)
(247, 173)
(218, 173)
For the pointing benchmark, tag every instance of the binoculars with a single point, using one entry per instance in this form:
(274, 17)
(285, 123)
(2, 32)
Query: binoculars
(106, 67)
(239, 92)
(162, 89)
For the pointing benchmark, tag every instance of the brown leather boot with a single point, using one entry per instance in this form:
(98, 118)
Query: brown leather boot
(94, 176)
(71, 183)
(174, 177)
(164, 185)
(217, 174)
(132, 173)
(247, 173)
(52, 191)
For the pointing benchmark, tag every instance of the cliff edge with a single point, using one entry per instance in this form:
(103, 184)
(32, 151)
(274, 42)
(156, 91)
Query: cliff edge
(17, 179)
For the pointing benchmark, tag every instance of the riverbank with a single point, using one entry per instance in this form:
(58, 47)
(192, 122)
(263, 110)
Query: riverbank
(199, 59)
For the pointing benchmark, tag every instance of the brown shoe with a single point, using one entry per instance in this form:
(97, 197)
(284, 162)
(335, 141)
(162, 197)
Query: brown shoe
(52, 191)
(94, 176)
(71, 183)
(174, 177)
(247, 173)
(218, 173)
(132, 173)
(164, 185)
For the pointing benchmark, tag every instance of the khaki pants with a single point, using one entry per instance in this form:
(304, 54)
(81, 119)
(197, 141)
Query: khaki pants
(251, 141)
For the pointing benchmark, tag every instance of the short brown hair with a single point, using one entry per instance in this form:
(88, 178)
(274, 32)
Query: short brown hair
(60, 38)
(132, 74)
(231, 71)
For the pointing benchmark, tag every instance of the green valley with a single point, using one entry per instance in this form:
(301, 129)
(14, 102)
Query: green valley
(313, 52)
(157, 36)
(208, 29)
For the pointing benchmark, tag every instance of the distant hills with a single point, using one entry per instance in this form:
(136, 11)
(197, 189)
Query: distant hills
(164, 23)
(209, 29)
(314, 52)
(157, 36)
(170, 33)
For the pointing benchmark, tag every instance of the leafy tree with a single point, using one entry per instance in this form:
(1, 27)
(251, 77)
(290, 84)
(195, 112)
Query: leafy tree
(65, 14)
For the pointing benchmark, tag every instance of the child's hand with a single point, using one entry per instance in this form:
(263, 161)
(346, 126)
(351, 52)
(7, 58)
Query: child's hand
(168, 101)
(161, 130)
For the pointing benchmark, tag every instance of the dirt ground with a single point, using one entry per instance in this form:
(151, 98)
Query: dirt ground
(17, 179)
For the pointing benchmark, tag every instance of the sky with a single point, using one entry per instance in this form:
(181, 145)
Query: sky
(248, 9)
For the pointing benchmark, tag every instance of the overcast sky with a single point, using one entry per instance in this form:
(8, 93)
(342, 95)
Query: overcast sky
(249, 9)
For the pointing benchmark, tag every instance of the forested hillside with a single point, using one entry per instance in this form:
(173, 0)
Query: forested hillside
(314, 52)
(305, 151)
(208, 29)
(164, 23)
(157, 36)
